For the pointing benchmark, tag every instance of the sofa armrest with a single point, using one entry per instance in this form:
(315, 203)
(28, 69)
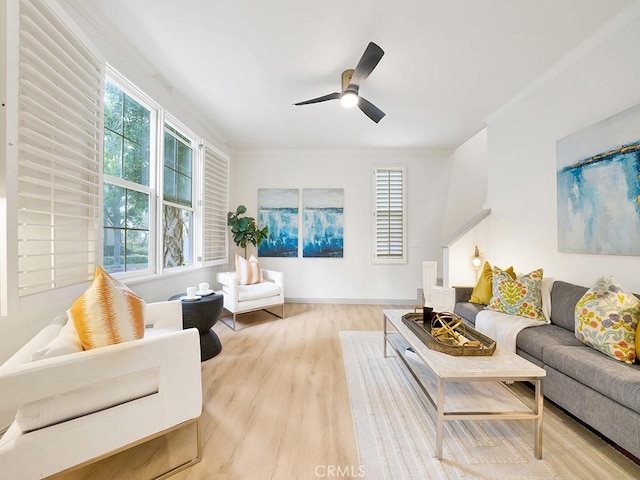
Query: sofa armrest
(229, 282)
(463, 294)
(174, 352)
(164, 315)
(275, 277)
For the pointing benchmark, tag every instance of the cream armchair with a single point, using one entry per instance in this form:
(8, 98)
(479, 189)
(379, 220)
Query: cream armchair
(248, 298)
(78, 407)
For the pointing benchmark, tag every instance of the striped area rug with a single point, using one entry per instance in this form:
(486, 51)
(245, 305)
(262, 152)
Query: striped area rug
(395, 430)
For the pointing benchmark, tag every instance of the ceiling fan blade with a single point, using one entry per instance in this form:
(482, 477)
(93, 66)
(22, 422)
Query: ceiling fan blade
(331, 96)
(367, 63)
(370, 110)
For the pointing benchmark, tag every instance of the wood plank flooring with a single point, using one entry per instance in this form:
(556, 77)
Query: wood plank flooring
(275, 404)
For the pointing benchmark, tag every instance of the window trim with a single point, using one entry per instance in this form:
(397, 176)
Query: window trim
(196, 212)
(113, 76)
(376, 238)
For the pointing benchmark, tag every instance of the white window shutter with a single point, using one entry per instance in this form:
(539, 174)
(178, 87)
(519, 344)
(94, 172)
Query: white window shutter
(60, 88)
(389, 215)
(215, 207)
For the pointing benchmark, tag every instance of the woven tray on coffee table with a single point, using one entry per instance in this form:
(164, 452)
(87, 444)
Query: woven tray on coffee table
(444, 329)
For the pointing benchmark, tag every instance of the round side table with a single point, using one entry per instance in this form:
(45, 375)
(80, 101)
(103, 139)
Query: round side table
(203, 314)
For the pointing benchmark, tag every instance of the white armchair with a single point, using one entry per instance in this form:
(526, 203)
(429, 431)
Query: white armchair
(248, 298)
(78, 407)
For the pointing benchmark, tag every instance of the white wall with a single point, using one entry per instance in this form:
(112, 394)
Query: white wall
(522, 158)
(468, 187)
(354, 277)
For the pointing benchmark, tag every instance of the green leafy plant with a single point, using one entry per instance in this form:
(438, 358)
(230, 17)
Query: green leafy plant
(245, 230)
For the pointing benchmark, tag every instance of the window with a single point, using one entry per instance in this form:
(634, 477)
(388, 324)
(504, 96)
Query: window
(177, 207)
(165, 194)
(129, 129)
(389, 215)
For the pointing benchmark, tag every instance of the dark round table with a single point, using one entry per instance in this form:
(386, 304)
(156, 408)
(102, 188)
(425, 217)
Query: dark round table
(203, 314)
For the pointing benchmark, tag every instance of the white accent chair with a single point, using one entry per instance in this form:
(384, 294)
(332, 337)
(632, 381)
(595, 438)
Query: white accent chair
(73, 409)
(240, 299)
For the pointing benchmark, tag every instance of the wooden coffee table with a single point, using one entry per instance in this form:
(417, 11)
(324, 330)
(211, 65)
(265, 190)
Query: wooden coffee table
(468, 387)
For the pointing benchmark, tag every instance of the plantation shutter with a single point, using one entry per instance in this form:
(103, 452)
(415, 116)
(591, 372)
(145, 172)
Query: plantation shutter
(60, 88)
(216, 205)
(389, 225)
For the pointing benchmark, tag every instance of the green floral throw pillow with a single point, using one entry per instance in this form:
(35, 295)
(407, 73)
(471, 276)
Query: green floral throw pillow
(520, 296)
(606, 319)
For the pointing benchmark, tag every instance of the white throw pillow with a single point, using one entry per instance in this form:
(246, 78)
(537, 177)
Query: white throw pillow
(248, 271)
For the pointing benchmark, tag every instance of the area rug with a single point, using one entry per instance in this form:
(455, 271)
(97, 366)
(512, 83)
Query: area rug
(395, 431)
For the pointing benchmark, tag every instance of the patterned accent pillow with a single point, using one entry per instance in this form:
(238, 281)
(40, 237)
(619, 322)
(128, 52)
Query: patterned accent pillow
(107, 313)
(248, 271)
(482, 291)
(521, 296)
(607, 318)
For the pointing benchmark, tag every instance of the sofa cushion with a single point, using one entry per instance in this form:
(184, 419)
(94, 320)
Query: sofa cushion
(257, 290)
(564, 297)
(107, 313)
(616, 380)
(67, 341)
(606, 319)
(534, 340)
(522, 296)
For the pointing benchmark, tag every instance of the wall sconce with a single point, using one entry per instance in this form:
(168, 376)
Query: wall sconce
(476, 261)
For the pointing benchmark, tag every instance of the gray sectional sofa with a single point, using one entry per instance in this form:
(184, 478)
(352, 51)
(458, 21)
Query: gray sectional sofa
(602, 392)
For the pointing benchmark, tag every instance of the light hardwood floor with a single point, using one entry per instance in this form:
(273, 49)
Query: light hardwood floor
(275, 404)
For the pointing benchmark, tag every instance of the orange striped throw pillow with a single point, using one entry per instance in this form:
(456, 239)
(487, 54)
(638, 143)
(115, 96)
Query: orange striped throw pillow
(107, 313)
(248, 271)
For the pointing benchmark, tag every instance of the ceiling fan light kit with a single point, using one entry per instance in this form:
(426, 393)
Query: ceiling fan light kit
(349, 99)
(351, 81)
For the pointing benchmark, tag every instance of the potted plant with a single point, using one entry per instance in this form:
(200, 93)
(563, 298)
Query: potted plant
(245, 230)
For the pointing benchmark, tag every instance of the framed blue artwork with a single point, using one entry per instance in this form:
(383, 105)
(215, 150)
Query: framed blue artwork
(278, 209)
(323, 222)
(598, 178)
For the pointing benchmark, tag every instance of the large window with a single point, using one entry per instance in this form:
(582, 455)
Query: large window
(165, 194)
(389, 215)
(129, 129)
(177, 208)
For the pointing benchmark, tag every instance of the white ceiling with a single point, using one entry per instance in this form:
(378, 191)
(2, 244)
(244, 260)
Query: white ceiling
(448, 64)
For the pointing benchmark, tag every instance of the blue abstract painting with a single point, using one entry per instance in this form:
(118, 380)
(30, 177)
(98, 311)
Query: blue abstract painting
(598, 178)
(278, 210)
(323, 222)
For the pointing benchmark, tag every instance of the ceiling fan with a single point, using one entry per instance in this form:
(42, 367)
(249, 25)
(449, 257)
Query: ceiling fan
(351, 81)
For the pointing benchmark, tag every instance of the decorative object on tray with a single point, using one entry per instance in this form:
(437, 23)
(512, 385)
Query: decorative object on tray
(447, 333)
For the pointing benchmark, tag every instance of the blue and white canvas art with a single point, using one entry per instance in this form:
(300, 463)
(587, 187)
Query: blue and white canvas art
(598, 175)
(278, 209)
(323, 222)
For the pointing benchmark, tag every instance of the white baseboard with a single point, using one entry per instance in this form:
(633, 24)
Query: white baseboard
(354, 301)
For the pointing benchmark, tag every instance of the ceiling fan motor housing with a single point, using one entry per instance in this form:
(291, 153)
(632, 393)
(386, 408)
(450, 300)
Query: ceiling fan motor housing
(346, 79)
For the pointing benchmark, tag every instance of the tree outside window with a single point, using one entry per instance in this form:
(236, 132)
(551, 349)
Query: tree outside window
(126, 193)
(178, 199)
